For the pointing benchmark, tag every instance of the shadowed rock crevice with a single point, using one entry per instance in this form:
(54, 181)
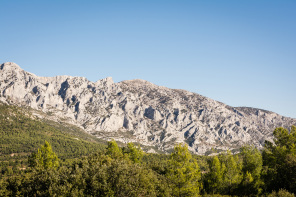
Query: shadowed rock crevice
(63, 90)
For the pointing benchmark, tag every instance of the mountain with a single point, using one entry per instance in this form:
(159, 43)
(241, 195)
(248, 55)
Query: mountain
(139, 111)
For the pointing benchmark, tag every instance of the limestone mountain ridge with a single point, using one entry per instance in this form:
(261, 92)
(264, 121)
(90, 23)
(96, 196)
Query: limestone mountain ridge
(139, 111)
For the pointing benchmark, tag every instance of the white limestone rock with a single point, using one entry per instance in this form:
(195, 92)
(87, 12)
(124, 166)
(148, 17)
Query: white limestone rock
(139, 111)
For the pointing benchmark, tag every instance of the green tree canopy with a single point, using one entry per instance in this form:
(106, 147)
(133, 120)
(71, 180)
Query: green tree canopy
(251, 169)
(183, 172)
(214, 178)
(232, 175)
(134, 153)
(113, 150)
(45, 158)
(279, 159)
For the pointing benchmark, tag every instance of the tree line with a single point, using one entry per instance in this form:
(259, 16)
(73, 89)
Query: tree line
(128, 171)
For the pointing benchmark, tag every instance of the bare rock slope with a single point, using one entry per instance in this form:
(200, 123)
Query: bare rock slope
(139, 111)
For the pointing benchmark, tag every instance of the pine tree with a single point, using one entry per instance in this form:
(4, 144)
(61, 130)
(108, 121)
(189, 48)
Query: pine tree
(134, 153)
(232, 175)
(252, 167)
(45, 158)
(279, 159)
(183, 172)
(214, 177)
(113, 150)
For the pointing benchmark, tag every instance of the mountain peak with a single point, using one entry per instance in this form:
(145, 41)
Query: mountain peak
(10, 66)
(108, 81)
(139, 84)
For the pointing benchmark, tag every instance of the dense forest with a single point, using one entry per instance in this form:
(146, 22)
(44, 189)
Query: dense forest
(39, 158)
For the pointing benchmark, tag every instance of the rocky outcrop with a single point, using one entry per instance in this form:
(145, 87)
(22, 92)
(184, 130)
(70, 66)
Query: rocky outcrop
(137, 110)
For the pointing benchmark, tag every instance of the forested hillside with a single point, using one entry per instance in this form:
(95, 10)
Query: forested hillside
(22, 133)
(128, 171)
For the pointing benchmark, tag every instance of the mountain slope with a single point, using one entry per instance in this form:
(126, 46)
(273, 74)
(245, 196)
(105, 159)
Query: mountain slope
(22, 133)
(139, 111)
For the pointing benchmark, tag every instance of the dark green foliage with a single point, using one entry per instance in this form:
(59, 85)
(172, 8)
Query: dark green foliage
(280, 161)
(251, 173)
(128, 179)
(214, 178)
(157, 162)
(95, 175)
(251, 169)
(224, 174)
(281, 193)
(230, 172)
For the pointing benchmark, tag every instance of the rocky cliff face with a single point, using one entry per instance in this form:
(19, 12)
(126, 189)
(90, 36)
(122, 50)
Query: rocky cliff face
(139, 111)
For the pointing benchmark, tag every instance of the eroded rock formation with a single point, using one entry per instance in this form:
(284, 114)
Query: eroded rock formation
(137, 110)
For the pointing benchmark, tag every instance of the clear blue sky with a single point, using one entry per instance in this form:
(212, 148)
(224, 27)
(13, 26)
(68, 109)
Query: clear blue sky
(242, 53)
